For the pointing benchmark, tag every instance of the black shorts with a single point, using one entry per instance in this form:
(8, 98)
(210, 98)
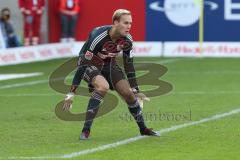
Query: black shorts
(112, 73)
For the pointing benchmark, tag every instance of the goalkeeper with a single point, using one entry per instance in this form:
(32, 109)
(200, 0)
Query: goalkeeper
(97, 66)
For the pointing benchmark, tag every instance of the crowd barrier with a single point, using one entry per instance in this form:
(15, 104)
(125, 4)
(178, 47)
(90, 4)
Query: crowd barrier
(141, 49)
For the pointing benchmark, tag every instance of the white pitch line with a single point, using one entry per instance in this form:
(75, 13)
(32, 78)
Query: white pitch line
(133, 139)
(29, 83)
(23, 84)
(18, 75)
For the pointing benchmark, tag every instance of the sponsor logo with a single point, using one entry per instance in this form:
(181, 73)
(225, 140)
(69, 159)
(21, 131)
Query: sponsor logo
(182, 12)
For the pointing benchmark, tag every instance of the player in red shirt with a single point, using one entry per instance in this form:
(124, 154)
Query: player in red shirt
(32, 11)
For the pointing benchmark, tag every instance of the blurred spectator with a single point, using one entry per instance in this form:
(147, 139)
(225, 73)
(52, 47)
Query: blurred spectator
(10, 37)
(32, 12)
(2, 41)
(69, 10)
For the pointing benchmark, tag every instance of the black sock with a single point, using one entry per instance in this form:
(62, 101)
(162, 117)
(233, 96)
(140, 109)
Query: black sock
(136, 112)
(92, 109)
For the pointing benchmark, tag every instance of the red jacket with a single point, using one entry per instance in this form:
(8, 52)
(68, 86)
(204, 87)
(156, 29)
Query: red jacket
(31, 5)
(75, 6)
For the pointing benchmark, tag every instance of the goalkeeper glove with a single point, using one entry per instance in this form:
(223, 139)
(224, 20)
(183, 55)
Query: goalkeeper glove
(140, 97)
(68, 101)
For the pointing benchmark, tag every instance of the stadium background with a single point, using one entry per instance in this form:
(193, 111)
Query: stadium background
(149, 24)
(177, 27)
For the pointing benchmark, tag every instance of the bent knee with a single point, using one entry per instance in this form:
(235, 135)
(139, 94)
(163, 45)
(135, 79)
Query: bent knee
(101, 85)
(102, 88)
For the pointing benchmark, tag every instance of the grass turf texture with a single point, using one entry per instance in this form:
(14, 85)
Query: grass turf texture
(205, 87)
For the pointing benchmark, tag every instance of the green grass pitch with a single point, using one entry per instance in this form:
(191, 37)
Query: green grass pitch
(202, 87)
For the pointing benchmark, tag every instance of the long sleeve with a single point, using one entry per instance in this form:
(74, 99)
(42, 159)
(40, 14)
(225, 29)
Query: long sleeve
(77, 78)
(130, 70)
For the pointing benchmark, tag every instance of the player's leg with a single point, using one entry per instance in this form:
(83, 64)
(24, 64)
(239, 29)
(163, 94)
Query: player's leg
(101, 86)
(123, 89)
(72, 27)
(64, 27)
(28, 20)
(36, 29)
(122, 86)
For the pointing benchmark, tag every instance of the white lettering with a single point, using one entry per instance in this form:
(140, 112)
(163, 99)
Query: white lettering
(228, 7)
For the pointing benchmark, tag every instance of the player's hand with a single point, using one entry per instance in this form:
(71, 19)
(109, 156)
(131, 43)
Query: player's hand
(141, 98)
(68, 101)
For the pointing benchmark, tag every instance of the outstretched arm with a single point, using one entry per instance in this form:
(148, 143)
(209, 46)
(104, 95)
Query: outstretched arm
(75, 83)
(77, 78)
(131, 75)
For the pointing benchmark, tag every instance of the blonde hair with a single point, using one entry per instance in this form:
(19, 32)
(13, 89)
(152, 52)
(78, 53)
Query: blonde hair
(118, 13)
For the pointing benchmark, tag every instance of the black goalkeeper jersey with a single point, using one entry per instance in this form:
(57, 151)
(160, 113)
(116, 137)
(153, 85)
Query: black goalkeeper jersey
(99, 42)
